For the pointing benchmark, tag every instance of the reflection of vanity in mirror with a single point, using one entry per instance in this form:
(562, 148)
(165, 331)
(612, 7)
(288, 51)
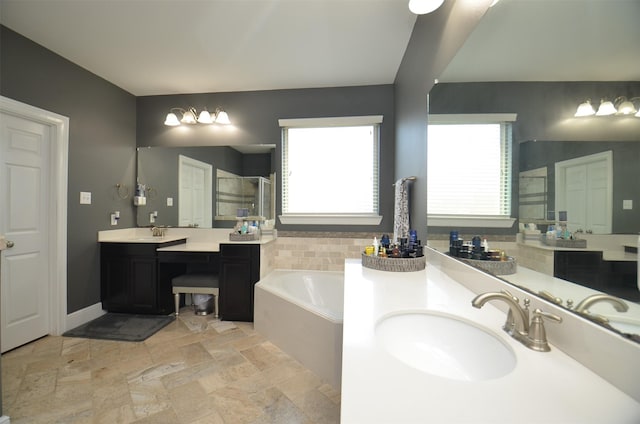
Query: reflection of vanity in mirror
(546, 139)
(204, 186)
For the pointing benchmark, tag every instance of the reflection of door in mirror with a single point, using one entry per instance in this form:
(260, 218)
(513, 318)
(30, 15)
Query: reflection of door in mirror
(195, 188)
(584, 189)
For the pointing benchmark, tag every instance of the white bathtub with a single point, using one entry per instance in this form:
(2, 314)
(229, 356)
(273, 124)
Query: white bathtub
(301, 312)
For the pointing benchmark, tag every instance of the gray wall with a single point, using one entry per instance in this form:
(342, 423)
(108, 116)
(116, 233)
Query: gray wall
(255, 115)
(101, 148)
(546, 131)
(435, 39)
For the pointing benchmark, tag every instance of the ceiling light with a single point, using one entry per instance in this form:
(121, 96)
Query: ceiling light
(421, 7)
(189, 117)
(585, 109)
(606, 108)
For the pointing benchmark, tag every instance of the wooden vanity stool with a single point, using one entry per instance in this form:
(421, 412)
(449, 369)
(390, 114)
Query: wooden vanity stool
(196, 284)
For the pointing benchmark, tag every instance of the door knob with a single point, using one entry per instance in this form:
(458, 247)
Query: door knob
(10, 244)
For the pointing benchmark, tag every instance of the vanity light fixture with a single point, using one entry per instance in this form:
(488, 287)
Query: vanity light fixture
(422, 7)
(620, 106)
(190, 117)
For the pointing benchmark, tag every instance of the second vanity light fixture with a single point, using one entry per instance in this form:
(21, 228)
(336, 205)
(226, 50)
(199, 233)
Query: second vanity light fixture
(190, 116)
(620, 106)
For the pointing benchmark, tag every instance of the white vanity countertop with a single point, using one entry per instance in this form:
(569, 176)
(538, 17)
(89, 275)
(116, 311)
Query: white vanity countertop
(607, 254)
(545, 387)
(196, 240)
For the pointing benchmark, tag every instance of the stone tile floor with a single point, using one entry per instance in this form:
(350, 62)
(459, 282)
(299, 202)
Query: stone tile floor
(196, 370)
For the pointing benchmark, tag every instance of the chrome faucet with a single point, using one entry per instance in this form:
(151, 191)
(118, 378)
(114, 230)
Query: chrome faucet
(517, 323)
(617, 303)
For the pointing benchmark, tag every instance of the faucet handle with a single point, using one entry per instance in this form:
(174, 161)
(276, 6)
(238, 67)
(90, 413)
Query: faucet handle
(537, 333)
(510, 323)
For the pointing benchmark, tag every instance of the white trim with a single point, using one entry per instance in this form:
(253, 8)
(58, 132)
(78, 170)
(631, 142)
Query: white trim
(84, 315)
(311, 219)
(5, 420)
(471, 118)
(470, 221)
(342, 121)
(58, 218)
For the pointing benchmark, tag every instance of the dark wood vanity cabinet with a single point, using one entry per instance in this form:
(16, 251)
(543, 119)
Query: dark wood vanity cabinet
(129, 279)
(581, 267)
(239, 271)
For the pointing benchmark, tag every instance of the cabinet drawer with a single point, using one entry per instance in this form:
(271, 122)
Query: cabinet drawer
(237, 251)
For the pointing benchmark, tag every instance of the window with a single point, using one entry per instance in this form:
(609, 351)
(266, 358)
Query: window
(330, 170)
(469, 169)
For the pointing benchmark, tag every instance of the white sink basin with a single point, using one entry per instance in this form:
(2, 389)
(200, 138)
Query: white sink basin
(445, 345)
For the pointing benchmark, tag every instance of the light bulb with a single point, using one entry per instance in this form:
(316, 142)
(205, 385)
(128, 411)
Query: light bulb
(222, 118)
(606, 108)
(205, 117)
(626, 108)
(188, 117)
(171, 120)
(585, 109)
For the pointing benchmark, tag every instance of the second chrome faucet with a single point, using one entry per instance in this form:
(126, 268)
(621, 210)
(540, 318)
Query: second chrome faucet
(517, 324)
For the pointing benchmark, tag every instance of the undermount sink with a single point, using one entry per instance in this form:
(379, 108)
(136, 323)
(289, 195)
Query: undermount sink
(445, 345)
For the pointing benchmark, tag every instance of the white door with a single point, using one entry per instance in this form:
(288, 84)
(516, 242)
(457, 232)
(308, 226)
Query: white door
(584, 188)
(24, 190)
(195, 193)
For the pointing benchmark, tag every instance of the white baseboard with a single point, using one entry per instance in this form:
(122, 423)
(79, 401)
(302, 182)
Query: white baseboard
(5, 420)
(82, 316)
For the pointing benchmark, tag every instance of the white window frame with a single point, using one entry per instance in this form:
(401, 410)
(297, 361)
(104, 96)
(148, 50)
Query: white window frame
(471, 220)
(323, 218)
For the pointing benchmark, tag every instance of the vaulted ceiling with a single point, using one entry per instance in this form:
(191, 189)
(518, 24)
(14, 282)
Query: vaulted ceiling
(150, 47)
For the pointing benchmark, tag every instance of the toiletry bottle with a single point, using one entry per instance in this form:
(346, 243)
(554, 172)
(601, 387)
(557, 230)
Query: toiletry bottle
(376, 246)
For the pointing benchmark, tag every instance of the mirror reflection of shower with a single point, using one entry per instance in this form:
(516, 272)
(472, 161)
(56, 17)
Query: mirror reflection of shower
(235, 192)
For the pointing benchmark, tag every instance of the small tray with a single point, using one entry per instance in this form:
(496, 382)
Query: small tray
(244, 237)
(394, 264)
(510, 266)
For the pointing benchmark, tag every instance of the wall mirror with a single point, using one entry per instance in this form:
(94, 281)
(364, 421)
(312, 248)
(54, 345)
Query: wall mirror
(546, 133)
(203, 186)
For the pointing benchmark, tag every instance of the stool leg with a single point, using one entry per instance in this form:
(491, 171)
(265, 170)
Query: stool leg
(215, 305)
(176, 300)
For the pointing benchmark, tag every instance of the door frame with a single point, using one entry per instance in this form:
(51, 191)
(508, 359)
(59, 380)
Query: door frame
(57, 223)
(560, 177)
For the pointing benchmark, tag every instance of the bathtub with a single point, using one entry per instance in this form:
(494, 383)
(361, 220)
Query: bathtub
(300, 311)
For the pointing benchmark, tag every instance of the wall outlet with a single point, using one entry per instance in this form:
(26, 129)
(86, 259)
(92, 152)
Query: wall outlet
(627, 204)
(85, 197)
(169, 201)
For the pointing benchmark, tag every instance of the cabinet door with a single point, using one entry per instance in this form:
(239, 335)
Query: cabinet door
(236, 290)
(583, 268)
(115, 276)
(143, 285)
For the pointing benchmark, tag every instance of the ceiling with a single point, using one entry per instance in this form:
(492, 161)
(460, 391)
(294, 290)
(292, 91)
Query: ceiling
(151, 47)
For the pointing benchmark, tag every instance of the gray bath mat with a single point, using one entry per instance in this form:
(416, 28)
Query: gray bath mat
(121, 327)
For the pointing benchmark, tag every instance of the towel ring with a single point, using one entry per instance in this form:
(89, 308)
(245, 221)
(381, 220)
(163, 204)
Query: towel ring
(122, 190)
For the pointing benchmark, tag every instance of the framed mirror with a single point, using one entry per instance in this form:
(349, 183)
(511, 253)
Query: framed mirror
(516, 61)
(179, 191)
